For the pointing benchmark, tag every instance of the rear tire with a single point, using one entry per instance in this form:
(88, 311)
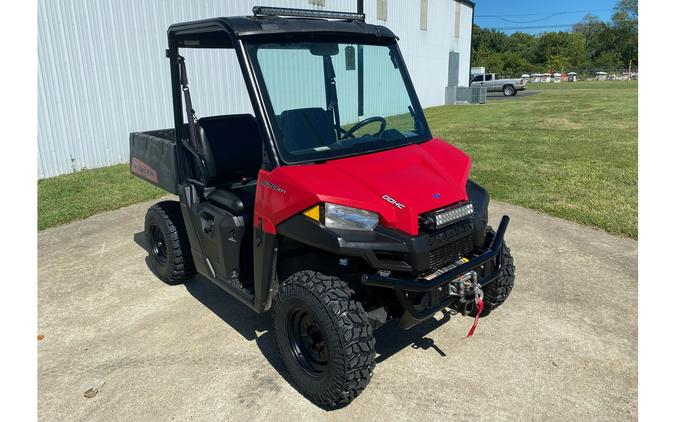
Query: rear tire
(324, 338)
(509, 90)
(167, 243)
(496, 292)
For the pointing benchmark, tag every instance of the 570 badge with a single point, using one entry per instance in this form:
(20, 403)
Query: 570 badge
(272, 186)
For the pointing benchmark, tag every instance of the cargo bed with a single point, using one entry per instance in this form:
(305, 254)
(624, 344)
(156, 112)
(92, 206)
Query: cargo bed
(153, 157)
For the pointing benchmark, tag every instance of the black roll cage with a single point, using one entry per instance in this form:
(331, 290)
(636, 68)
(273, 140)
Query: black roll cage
(233, 33)
(213, 34)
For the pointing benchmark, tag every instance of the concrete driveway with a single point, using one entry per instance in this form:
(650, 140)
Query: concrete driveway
(564, 347)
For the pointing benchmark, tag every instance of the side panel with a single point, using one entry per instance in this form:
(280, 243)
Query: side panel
(265, 249)
(215, 252)
(221, 235)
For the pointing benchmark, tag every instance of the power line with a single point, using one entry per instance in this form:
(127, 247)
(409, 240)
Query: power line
(561, 25)
(542, 14)
(511, 28)
(532, 21)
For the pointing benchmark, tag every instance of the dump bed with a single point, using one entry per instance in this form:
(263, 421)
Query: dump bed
(153, 158)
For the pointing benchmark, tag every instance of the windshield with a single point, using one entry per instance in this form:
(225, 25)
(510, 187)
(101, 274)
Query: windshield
(330, 100)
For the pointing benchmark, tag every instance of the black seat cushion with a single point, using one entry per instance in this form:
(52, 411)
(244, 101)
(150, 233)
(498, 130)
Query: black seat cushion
(235, 200)
(305, 128)
(231, 147)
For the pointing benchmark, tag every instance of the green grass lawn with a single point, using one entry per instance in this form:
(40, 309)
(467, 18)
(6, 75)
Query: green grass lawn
(79, 195)
(570, 151)
(566, 86)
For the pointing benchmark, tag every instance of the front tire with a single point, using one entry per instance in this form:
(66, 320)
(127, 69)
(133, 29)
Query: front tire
(167, 244)
(324, 338)
(497, 291)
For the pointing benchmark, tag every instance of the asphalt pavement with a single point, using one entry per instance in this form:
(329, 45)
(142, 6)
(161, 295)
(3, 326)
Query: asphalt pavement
(563, 347)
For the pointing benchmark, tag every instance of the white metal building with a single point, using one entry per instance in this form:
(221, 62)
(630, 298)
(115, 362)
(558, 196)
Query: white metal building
(102, 71)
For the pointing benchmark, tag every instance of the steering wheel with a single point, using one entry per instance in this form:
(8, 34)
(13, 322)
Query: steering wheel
(362, 123)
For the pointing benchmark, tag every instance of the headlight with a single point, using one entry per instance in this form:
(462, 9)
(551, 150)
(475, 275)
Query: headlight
(335, 216)
(342, 217)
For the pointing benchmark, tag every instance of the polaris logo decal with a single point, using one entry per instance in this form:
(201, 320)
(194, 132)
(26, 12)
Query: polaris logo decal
(393, 202)
(143, 170)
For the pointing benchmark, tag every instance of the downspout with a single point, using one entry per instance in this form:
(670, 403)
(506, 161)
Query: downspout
(473, 17)
(359, 68)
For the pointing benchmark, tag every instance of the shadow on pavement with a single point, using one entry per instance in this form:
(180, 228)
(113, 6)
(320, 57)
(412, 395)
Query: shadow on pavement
(390, 339)
(139, 239)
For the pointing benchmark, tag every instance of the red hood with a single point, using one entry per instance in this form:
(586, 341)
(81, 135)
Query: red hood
(420, 177)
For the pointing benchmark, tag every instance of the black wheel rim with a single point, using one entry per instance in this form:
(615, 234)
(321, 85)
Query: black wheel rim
(157, 244)
(308, 342)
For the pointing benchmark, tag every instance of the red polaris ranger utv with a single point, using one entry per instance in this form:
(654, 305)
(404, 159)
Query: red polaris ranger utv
(332, 205)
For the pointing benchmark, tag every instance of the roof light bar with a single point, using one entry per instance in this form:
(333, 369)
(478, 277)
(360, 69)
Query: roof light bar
(306, 13)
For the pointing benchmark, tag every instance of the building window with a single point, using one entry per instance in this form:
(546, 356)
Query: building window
(424, 9)
(382, 10)
(318, 2)
(458, 9)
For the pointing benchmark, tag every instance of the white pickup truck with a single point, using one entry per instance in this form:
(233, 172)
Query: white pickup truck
(509, 87)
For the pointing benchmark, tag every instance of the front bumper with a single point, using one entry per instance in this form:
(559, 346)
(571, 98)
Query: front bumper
(492, 254)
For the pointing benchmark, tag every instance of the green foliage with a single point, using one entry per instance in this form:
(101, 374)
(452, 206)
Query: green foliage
(512, 63)
(557, 62)
(608, 59)
(590, 45)
(625, 24)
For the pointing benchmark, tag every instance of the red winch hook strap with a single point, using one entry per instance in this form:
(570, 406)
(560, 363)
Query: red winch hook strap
(479, 309)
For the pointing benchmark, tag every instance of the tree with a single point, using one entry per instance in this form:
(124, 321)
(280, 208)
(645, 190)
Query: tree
(557, 63)
(513, 64)
(575, 51)
(608, 60)
(488, 58)
(625, 26)
(524, 45)
(550, 44)
(591, 43)
(629, 9)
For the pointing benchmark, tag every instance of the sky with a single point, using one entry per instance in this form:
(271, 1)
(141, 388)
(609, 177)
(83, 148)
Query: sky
(544, 15)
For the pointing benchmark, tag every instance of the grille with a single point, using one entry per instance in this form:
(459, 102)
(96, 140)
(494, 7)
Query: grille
(451, 252)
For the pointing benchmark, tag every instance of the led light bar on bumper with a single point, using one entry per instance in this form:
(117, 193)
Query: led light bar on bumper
(450, 215)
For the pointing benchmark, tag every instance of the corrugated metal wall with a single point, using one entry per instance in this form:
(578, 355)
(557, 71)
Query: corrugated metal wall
(426, 52)
(102, 71)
